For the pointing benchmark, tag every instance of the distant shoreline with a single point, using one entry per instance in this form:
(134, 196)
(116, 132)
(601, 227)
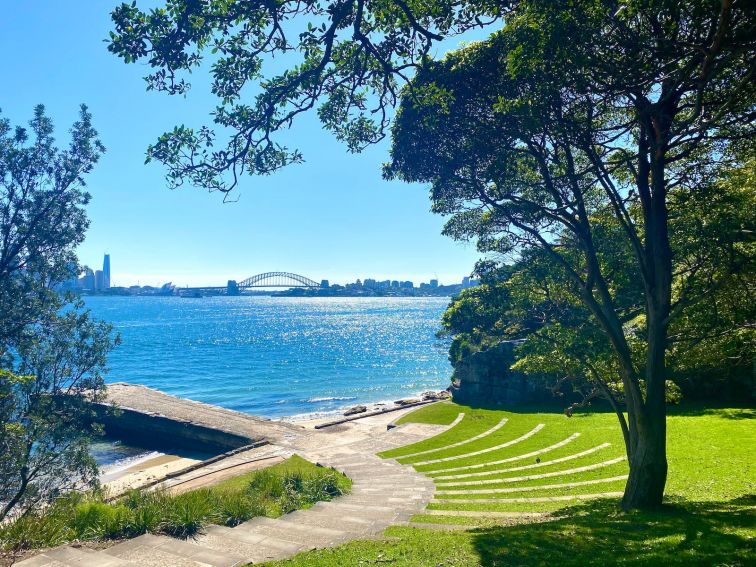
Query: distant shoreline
(116, 292)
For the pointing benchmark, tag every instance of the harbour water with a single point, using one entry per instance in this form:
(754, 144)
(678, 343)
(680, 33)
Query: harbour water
(278, 356)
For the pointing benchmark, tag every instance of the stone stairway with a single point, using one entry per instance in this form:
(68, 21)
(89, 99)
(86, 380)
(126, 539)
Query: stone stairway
(384, 493)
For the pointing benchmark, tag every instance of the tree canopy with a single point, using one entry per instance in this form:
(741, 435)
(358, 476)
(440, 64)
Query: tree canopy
(584, 133)
(52, 352)
(571, 119)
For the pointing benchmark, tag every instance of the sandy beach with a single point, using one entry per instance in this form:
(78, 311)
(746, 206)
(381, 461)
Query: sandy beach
(145, 472)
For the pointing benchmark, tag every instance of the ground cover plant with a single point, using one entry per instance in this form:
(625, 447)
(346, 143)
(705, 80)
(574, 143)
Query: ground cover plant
(274, 491)
(709, 516)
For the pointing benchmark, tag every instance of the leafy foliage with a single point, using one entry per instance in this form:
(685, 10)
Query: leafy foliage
(573, 140)
(52, 353)
(344, 59)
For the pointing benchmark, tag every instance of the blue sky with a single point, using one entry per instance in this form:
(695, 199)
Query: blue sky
(332, 217)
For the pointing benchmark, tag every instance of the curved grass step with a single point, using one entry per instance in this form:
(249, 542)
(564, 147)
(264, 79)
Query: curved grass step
(461, 428)
(508, 490)
(575, 470)
(486, 433)
(526, 467)
(527, 435)
(477, 520)
(528, 500)
(507, 460)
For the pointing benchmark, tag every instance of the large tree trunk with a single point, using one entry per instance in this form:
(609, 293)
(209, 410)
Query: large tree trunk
(648, 460)
(648, 463)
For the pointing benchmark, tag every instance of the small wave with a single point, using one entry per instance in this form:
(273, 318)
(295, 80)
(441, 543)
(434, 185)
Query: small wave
(312, 415)
(122, 464)
(330, 399)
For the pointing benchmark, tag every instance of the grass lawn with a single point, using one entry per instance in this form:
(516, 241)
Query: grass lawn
(570, 471)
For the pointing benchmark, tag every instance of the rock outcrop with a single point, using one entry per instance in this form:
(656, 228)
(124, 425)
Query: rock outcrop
(354, 410)
(435, 395)
(485, 378)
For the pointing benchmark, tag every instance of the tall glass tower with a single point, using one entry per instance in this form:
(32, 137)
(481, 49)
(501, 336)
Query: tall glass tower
(106, 272)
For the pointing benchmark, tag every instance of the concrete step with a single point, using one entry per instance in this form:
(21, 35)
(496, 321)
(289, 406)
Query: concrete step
(353, 524)
(304, 534)
(73, 557)
(161, 551)
(254, 547)
(368, 510)
(397, 503)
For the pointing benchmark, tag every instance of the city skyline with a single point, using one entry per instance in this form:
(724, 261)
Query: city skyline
(122, 280)
(331, 217)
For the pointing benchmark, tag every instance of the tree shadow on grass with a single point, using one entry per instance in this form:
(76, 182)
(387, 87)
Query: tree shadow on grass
(599, 533)
(719, 410)
(725, 410)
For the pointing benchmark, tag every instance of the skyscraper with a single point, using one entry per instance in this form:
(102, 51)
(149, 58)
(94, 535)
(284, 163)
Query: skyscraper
(106, 272)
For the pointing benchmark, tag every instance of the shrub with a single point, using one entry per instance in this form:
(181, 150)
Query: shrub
(36, 530)
(90, 520)
(147, 510)
(234, 508)
(271, 492)
(188, 512)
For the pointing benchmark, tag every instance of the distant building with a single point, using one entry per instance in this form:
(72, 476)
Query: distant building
(87, 281)
(355, 285)
(166, 288)
(106, 272)
(325, 284)
(434, 283)
(232, 288)
(407, 285)
(369, 283)
(466, 281)
(99, 280)
(395, 284)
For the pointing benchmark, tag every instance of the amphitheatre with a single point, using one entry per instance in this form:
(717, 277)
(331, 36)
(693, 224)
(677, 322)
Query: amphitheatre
(440, 468)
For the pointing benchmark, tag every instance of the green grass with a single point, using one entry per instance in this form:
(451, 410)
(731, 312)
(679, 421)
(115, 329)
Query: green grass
(291, 485)
(709, 518)
(591, 534)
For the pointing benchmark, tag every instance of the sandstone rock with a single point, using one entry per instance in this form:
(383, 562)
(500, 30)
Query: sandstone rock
(485, 378)
(354, 410)
(433, 395)
(407, 401)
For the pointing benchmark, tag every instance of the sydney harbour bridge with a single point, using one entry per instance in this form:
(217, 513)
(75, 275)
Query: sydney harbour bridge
(265, 280)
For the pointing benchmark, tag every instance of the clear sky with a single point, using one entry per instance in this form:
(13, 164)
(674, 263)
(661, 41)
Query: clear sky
(332, 217)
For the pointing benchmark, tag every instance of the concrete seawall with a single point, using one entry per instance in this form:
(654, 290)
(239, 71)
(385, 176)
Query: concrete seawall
(151, 418)
(158, 431)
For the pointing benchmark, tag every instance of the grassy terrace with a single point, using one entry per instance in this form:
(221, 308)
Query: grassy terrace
(294, 484)
(555, 482)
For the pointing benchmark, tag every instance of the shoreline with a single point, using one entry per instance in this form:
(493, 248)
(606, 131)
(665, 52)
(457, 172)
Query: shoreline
(189, 418)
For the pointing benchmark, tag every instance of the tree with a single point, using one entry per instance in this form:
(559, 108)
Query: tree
(42, 217)
(574, 108)
(530, 144)
(52, 353)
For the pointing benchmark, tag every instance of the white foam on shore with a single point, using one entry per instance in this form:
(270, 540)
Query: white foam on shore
(330, 399)
(115, 469)
(339, 412)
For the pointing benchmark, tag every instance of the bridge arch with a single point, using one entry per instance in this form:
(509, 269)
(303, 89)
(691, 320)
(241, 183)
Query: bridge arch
(277, 279)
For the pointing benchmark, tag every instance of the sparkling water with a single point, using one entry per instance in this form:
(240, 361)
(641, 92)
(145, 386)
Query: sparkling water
(278, 356)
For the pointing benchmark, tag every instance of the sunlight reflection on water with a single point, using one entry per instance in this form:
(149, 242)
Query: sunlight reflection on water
(278, 356)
